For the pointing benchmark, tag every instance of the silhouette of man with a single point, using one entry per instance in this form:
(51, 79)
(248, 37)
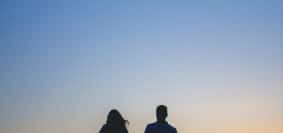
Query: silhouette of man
(161, 125)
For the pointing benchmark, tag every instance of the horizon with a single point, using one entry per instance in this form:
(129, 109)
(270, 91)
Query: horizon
(216, 65)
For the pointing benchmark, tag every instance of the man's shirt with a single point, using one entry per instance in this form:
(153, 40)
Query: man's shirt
(160, 127)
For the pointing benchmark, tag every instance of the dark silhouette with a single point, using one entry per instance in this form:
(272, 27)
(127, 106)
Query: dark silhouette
(115, 123)
(161, 125)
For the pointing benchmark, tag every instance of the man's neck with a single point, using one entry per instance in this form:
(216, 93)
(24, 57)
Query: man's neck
(161, 121)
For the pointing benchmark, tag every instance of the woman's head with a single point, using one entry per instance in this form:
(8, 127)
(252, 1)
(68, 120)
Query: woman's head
(115, 118)
(115, 123)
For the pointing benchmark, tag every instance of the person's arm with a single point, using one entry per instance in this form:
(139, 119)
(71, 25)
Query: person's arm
(146, 129)
(175, 131)
(125, 130)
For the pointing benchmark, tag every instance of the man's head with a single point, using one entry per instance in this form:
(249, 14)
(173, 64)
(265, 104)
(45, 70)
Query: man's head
(161, 112)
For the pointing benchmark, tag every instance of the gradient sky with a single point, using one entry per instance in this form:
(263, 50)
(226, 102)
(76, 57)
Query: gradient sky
(216, 64)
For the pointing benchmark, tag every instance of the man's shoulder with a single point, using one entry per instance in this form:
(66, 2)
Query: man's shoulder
(151, 124)
(171, 127)
(156, 124)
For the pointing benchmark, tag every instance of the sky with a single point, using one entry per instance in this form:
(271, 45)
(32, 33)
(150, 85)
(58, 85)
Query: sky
(65, 64)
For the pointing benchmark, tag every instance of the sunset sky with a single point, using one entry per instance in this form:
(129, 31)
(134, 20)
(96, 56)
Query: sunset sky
(216, 64)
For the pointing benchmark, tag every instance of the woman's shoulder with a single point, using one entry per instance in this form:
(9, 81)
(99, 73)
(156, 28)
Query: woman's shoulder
(102, 130)
(112, 129)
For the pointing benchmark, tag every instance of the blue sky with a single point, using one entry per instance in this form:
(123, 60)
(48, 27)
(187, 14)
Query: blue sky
(75, 60)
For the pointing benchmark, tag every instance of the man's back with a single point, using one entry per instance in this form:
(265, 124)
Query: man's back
(160, 127)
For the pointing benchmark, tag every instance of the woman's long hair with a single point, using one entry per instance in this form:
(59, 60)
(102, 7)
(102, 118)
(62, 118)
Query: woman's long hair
(115, 123)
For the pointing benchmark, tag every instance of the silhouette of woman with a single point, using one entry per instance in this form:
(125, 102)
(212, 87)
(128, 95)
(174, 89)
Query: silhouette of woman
(115, 123)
